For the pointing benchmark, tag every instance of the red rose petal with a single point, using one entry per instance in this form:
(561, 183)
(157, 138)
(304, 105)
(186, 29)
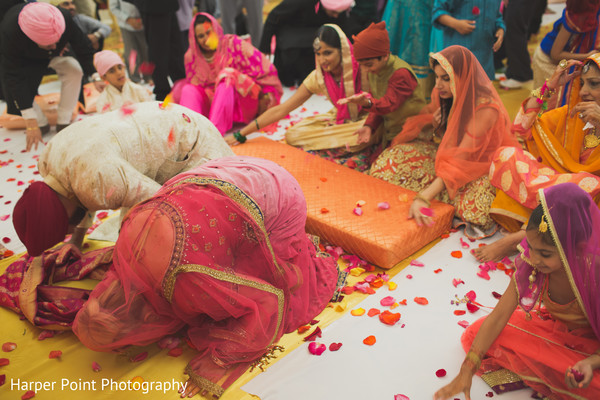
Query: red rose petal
(440, 373)
(2, 379)
(335, 346)
(140, 357)
(55, 354)
(316, 348)
(303, 329)
(8, 347)
(6, 239)
(472, 307)
(45, 334)
(176, 352)
(96, 367)
(324, 210)
(496, 295)
(4, 361)
(437, 271)
(314, 322)
(28, 395)
(389, 318)
(313, 336)
(489, 394)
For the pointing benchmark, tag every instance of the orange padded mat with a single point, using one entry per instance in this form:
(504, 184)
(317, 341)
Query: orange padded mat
(382, 237)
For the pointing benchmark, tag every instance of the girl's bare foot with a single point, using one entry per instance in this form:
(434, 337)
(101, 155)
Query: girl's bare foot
(496, 251)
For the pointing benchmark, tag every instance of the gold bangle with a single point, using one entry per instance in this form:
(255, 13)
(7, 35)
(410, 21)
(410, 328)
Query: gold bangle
(31, 129)
(419, 196)
(472, 361)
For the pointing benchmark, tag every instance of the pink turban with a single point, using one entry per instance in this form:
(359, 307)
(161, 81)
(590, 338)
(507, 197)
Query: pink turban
(40, 219)
(41, 22)
(337, 5)
(105, 60)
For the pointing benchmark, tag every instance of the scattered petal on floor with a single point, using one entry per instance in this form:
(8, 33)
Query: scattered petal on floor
(358, 312)
(55, 354)
(392, 285)
(457, 282)
(2, 379)
(389, 318)
(463, 323)
(96, 367)
(440, 373)
(316, 348)
(140, 357)
(456, 254)
(401, 397)
(358, 211)
(360, 203)
(459, 312)
(437, 271)
(335, 346)
(370, 340)
(421, 300)
(176, 352)
(314, 335)
(324, 210)
(464, 244)
(8, 347)
(4, 361)
(387, 301)
(384, 205)
(417, 263)
(45, 334)
(472, 307)
(303, 329)
(426, 211)
(373, 312)
(28, 395)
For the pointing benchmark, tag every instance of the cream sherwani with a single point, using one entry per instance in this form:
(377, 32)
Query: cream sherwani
(112, 99)
(122, 157)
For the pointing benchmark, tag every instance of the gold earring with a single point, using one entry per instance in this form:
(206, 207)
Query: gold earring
(532, 277)
(543, 228)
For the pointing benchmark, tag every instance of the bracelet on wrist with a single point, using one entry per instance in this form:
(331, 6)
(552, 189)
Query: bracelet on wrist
(31, 129)
(256, 122)
(239, 137)
(419, 196)
(472, 361)
(542, 94)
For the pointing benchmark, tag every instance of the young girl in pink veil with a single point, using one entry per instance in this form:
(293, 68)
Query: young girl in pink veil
(551, 341)
(227, 79)
(219, 253)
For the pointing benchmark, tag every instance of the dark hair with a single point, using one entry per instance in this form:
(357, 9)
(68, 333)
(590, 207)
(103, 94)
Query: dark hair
(445, 105)
(200, 19)
(534, 224)
(329, 36)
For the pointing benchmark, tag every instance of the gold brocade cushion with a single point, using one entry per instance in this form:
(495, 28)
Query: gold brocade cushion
(382, 237)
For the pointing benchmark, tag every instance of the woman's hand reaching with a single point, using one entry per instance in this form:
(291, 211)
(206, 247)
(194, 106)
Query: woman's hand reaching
(460, 384)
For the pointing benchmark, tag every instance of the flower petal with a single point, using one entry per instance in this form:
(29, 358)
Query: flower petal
(459, 312)
(373, 312)
(324, 210)
(416, 263)
(316, 348)
(335, 346)
(28, 395)
(392, 285)
(55, 354)
(358, 312)
(360, 203)
(464, 244)
(387, 301)
(457, 282)
(45, 334)
(440, 373)
(140, 357)
(426, 211)
(472, 307)
(437, 271)
(463, 323)
(2, 379)
(303, 329)
(421, 300)
(389, 318)
(176, 352)
(400, 397)
(358, 211)
(8, 347)
(4, 361)
(384, 205)
(96, 367)
(370, 340)
(456, 254)
(313, 336)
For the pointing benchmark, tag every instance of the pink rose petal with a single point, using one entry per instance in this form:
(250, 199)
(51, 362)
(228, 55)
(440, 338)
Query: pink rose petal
(464, 244)
(401, 397)
(358, 211)
(140, 357)
(416, 263)
(484, 274)
(316, 348)
(4, 217)
(426, 211)
(471, 295)
(96, 367)
(457, 282)
(387, 301)
(463, 323)
(384, 205)
(2, 379)
(472, 307)
(45, 334)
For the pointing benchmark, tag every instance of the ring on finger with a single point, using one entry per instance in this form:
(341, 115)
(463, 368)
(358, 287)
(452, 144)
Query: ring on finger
(580, 115)
(563, 64)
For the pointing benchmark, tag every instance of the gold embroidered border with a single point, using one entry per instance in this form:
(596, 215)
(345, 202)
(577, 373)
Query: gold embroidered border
(449, 70)
(555, 389)
(347, 72)
(547, 143)
(243, 200)
(203, 383)
(547, 340)
(508, 214)
(227, 277)
(563, 257)
(500, 377)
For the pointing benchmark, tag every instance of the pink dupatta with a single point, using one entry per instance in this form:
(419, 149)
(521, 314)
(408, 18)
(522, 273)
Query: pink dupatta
(351, 83)
(232, 52)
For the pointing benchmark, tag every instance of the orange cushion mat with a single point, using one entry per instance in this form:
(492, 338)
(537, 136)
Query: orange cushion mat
(382, 237)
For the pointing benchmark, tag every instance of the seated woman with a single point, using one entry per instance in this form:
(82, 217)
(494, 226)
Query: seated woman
(573, 37)
(554, 348)
(220, 253)
(227, 79)
(562, 146)
(445, 152)
(330, 135)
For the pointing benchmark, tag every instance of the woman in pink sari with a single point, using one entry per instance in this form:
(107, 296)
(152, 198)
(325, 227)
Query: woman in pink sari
(220, 253)
(553, 348)
(227, 79)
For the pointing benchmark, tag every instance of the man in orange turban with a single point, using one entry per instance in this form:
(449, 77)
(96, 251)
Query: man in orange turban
(393, 84)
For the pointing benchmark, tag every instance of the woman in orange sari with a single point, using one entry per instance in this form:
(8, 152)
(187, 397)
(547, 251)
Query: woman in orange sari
(445, 152)
(563, 145)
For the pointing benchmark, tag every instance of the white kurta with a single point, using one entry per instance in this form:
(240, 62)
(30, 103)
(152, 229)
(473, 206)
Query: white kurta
(120, 158)
(111, 99)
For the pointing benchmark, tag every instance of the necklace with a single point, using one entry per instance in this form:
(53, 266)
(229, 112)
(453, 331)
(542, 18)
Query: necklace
(591, 140)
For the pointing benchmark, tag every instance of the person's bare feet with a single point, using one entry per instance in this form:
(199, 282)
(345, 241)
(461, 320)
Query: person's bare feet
(496, 251)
